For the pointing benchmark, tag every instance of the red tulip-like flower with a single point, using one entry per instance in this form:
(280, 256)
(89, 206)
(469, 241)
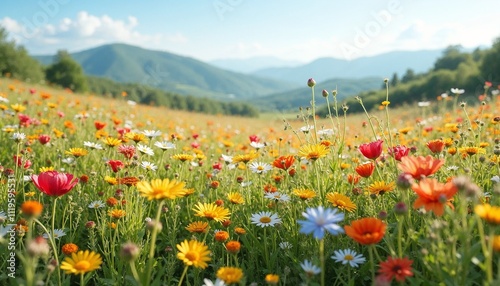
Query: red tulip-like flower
(399, 152)
(44, 139)
(371, 150)
(116, 165)
(53, 183)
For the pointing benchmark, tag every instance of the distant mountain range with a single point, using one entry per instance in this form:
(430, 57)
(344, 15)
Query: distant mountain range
(273, 87)
(253, 64)
(383, 65)
(167, 71)
(292, 99)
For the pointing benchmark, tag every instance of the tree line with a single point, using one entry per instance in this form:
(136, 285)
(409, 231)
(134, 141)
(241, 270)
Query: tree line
(67, 73)
(454, 69)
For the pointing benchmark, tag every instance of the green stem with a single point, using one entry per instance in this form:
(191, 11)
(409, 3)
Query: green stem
(134, 272)
(322, 260)
(82, 281)
(52, 239)
(54, 249)
(372, 263)
(183, 275)
(149, 268)
(313, 105)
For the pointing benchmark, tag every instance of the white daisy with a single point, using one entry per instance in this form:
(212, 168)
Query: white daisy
(496, 179)
(165, 145)
(96, 204)
(348, 256)
(325, 132)
(452, 168)
(457, 90)
(218, 282)
(151, 133)
(69, 160)
(264, 219)
(145, 150)
(92, 145)
(285, 245)
(149, 166)
(131, 103)
(58, 233)
(3, 99)
(18, 137)
(260, 167)
(227, 158)
(257, 145)
(424, 103)
(309, 268)
(277, 196)
(306, 128)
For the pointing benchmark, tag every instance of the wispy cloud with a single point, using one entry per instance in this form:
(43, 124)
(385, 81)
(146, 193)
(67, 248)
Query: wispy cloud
(85, 31)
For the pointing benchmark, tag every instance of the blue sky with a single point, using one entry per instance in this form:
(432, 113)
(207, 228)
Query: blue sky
(218, 29)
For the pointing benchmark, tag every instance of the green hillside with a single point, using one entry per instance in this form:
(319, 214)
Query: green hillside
(292, 99)
(174, 73)
(454, 69)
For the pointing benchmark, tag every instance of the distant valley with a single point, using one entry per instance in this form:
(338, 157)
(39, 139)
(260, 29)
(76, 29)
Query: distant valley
(267, 82)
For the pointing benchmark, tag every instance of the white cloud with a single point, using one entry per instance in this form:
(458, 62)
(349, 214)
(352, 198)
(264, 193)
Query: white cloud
(85, 31)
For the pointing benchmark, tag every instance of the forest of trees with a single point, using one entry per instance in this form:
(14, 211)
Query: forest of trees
(67, 73)
(454, 69)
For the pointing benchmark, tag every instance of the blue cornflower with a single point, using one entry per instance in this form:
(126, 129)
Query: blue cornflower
(319, 219)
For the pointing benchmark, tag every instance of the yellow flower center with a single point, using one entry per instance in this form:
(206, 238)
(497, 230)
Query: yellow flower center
(191, 256)
(210, 215)
(348, 257)
(82, 265)
(265, 219)
(260, 168)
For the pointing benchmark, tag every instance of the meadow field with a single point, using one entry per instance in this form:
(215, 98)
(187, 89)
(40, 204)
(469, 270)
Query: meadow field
(99, 191)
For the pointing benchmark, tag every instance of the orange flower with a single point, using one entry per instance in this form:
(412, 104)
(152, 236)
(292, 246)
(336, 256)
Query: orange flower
(284, 162)
(365, 170)
(433, 195)
(366, 230)
(221, 236)
(420, 166)
(490, 214)
(436, 146)
(233, 246)
(32, 208)
(69, 248)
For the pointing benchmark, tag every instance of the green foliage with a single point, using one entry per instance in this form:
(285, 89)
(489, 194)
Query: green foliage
(148, 95)
(490, 66)
(66, 72)
(14, 60)
(451, 59)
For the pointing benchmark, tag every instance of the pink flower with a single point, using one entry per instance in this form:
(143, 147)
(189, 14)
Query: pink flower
(399, 152)
(22, 163)
(371, 150)
(53, 183)
(253, 138)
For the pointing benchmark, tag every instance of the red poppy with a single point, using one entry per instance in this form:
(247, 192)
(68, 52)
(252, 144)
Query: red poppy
(53, 183)
(44, 139)
(284, 162)
(371, 150)
(399, 152)
(116, 165)
(365, 170)
(436, 146)
(398, 268)
(253, 138)
(99, 125)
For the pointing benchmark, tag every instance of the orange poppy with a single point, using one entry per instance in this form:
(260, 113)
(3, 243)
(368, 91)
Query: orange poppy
(284, 162)
(365, 170)
(420, 166)
(433, 195)
(436, 146)
(366, 230)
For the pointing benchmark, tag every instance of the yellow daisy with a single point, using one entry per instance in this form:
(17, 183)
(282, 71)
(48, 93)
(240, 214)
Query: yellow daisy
(341, 201)
(81, 262)
(313, 152)
(161, 189)
(193, 253)
(211, 211)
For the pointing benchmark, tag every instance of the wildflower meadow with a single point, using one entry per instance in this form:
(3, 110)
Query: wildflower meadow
(99, 191)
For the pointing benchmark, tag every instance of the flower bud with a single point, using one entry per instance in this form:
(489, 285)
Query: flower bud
(311, 82)
(129, 251)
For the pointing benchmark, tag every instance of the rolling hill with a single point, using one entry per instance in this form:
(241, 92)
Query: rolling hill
(174, 73)
(289, 100)
(383, 65)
